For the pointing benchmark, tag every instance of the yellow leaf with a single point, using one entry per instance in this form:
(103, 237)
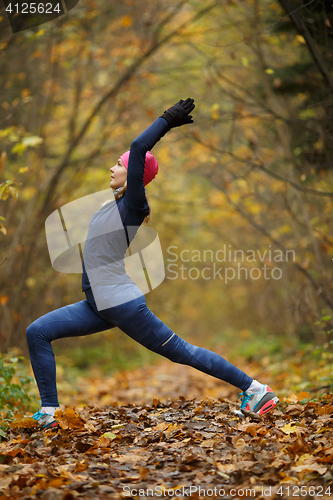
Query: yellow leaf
(289, 429)
(292, 398)
(56, 483)
(269, 71)
(126, 21)
(214, 111)
(300, 38)
(117, 426)
(323, 429)
(319, 144)
(13, 193)
(109, 435)
(172, 427)
(304, 457)
(4, 192)
(303, 395)
(290, 480)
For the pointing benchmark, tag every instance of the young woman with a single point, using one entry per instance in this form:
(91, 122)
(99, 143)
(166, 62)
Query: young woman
(112, 299)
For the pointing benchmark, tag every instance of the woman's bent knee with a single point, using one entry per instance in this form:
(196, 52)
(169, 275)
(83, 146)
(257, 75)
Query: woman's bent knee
(35, 332)
(31, 332)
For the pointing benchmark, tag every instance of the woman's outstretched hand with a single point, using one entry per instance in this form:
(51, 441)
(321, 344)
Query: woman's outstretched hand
(179, 113)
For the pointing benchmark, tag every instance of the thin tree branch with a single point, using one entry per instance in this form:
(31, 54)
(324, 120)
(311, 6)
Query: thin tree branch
(247, 38)
(211, 65)
(326, 238)
(264, 231)
(264, 169)
(111, 93)
(316, 54)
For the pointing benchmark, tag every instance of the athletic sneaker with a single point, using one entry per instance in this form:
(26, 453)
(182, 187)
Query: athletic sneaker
(45, 420)
(258, 403)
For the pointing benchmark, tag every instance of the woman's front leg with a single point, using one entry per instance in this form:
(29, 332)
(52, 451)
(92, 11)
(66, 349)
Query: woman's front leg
(74, 320)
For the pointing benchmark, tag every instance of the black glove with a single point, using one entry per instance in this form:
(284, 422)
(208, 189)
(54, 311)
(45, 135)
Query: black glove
(179, 114)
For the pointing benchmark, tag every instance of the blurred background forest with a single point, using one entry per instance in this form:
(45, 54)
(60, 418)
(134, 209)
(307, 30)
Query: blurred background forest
(254, 171)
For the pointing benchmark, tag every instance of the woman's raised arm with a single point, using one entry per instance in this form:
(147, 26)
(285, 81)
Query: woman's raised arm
(177, 115)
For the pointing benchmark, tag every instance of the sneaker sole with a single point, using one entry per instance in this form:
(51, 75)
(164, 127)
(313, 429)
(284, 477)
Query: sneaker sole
(269, 405)
(52, 425)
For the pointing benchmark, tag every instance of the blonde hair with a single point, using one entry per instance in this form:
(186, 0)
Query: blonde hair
(121, 193)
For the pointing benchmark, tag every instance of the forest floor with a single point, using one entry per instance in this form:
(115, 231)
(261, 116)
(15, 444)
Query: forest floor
(169, 431)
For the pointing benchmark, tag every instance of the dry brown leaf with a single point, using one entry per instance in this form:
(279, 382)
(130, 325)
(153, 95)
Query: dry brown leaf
(69, 419)
(4, 484)
(292, 398)
(325, 410)
(209, 443)
(129, 457)
(297, 445)
(226, 468)
(303, 395)
(143, 472)
(294, 409)
(161, 426)
(252, 428)
(9, 450)
(244, 464)
(24, 423)
(310, 467)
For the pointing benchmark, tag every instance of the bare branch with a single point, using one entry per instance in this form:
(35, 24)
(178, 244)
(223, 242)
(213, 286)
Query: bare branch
(266, 170)
(321, 233)
(264, 231)
(247, 38)
(316, 54)
(108, 95)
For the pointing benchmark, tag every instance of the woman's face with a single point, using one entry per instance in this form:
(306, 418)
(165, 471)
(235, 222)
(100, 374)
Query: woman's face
(118, 175)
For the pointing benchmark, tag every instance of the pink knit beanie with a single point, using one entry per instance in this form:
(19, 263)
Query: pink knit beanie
(151, 166)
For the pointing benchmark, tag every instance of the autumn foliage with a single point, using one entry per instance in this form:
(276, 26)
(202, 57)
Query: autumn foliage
(253, 172)
(173, 444)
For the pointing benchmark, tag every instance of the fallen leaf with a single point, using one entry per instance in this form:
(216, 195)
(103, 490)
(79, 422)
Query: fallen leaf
(290, 429)
(303, 395)
(226, 467)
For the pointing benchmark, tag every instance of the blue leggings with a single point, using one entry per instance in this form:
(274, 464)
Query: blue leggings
(133, 318)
